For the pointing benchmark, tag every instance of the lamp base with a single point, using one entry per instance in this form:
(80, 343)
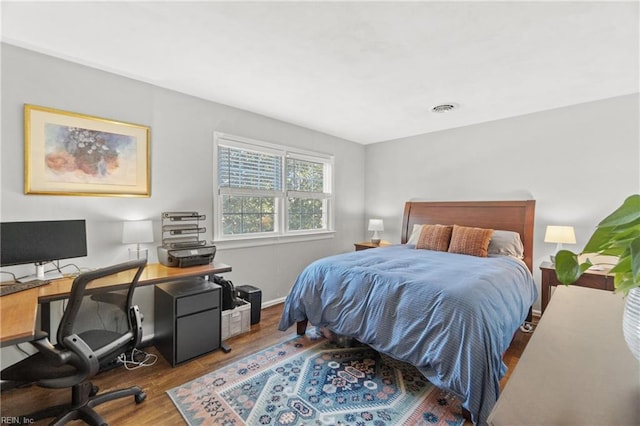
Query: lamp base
(135, 254)
(375, 238)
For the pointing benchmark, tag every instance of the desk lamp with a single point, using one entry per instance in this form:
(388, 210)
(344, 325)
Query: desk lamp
(559, 235)
(137, 232)
(376, 225)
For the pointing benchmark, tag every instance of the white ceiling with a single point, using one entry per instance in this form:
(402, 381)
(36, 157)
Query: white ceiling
(363, 71)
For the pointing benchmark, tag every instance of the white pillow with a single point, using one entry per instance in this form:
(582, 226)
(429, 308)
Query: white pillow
(415, 235)
(506, 243)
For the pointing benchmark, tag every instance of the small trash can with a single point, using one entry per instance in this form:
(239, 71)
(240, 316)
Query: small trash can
(252, 295)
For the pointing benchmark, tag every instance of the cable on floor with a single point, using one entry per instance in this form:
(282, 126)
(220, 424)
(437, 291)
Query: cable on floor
(137, 358)
(527, 327)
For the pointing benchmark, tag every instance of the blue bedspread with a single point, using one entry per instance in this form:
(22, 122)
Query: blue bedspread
(450, 315)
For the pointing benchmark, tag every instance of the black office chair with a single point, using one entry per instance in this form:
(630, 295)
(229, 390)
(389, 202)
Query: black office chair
(92, 335)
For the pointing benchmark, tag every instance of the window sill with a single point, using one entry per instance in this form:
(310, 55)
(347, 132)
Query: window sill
(266, 241)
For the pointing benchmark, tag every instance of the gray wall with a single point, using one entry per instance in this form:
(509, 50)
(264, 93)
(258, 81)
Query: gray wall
(578, 163)
(181, 163)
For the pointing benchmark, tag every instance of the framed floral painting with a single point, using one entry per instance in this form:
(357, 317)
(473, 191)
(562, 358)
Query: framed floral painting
(74, 154)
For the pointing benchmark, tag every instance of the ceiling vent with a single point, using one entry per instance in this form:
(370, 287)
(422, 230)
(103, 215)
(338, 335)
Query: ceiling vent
(443, 108)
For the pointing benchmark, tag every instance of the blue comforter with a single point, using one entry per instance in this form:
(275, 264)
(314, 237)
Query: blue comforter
(450, 315)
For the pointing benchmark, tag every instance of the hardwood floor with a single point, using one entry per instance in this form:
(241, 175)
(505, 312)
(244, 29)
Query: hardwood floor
(155, 380)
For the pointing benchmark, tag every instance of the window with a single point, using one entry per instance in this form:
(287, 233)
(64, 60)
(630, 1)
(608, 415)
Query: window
(268, 190)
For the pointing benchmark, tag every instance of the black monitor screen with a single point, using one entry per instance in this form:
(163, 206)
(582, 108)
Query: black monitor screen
(43, 241)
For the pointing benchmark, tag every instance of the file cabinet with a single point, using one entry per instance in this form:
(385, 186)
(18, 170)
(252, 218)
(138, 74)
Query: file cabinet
(187, 319)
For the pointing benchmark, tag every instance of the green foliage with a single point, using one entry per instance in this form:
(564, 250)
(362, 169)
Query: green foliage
(305, 213)
(305, 176)
(254, 172)
(243, 215)
(616, 235)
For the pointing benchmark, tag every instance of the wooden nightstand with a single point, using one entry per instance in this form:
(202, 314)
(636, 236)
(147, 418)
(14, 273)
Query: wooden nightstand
(369, 245)
(600, 280)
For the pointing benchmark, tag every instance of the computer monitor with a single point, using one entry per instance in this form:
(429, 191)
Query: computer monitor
(41, 242)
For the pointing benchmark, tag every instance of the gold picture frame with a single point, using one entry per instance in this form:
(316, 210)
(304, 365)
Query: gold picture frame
(67, 153)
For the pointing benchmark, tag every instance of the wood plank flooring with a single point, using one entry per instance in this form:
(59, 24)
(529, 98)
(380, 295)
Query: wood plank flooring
(155, 380)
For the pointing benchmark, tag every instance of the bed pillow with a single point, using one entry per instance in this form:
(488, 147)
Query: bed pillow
(506, 243)
(434, 237)
(415, 234)
(471, 241)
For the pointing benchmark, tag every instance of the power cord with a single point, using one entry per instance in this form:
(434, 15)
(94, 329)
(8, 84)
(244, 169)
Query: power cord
(12, 275)
(22, 350)
(73, 274)
(137, 359)
(56, 268)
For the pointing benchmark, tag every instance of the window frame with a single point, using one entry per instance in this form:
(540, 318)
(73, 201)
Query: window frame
(281, 232)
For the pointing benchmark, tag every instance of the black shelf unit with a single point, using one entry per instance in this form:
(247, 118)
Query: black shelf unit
(182, 230)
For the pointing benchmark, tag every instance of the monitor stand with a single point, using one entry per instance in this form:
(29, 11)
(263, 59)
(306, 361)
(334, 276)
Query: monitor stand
(41, 275)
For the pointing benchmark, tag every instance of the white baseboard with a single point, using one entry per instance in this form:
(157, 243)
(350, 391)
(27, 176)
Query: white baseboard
(273, 302)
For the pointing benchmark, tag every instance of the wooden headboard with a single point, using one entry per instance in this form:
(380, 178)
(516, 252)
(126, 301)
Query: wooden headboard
(514, 216)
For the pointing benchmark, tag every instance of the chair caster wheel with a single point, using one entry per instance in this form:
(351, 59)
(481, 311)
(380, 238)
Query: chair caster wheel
(94, 390)
(140, 397)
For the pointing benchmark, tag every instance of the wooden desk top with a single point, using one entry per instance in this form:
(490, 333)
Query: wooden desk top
(154, 273)
(18, 316)
(18, 310)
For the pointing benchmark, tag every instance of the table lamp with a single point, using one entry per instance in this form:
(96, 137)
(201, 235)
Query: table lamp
(376, 225)
(559, 235)
(137, 232)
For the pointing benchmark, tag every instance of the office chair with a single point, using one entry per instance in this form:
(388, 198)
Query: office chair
(91, 335)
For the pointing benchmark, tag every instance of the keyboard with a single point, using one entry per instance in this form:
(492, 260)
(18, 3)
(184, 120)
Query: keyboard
(16, 287)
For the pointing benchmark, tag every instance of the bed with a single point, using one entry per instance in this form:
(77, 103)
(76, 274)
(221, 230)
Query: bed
(451, 315)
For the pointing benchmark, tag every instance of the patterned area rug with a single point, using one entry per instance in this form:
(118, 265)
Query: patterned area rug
(306, 382)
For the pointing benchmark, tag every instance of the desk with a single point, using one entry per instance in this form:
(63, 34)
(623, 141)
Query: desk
(576, 369)
(18, 311)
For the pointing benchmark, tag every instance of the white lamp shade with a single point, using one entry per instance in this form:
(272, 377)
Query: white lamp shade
(560, 234)
(376, 225)
(137, 231)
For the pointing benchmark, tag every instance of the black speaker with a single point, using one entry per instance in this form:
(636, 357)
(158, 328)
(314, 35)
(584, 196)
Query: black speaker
(252, 295)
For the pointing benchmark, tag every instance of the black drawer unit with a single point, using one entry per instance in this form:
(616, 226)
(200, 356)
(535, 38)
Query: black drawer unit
(187, 319)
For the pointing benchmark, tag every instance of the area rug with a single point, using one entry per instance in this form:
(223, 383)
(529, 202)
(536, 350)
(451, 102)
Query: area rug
(315, 382)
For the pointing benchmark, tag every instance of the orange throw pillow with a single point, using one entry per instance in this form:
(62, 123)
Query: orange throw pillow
(434, 237)
(471, 241)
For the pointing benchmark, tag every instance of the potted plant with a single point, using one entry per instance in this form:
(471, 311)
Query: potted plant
(616, 235)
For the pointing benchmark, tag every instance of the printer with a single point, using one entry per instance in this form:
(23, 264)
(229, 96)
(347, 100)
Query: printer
(185, 257)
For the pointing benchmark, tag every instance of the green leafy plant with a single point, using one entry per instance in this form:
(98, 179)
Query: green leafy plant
(616, 235)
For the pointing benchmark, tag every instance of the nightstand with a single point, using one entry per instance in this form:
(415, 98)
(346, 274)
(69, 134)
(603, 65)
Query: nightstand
(600, 280)
(369, 245)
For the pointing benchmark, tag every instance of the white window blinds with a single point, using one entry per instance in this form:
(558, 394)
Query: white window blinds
(265, 189)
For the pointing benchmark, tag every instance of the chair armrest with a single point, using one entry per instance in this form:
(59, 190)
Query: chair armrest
(77, 354)
(83, 353)
(43, 345)
(136, 324)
